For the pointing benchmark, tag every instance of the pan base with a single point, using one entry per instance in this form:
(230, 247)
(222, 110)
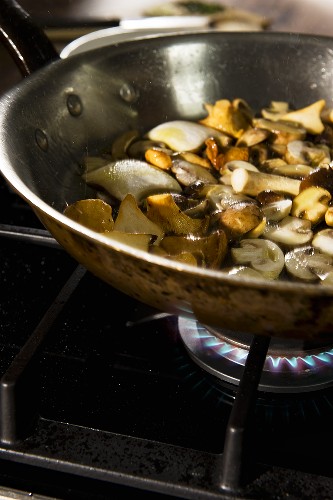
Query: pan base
(290, 367)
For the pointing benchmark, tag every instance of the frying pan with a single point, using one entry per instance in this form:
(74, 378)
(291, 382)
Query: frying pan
(63, 108)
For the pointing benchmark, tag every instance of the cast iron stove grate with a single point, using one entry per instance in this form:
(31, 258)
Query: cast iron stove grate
(91, 407)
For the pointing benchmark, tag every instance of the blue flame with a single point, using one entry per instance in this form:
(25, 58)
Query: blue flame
(273, 363)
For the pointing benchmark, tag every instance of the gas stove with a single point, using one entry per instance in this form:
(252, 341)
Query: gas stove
(101, 395)
(104, 397)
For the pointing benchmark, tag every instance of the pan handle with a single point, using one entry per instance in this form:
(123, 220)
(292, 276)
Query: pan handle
(25, 41)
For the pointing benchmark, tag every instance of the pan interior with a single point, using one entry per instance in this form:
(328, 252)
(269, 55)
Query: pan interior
(78, 106)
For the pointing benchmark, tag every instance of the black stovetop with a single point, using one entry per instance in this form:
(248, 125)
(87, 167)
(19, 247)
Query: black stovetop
(100, 397)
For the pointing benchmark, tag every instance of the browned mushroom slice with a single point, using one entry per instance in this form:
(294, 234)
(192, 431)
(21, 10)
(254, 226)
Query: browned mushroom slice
(227, 117)
(240, 218)
(159, 158)
(131, 219)
(252, 137)
(308, 117)
(311, 204)
(290, 231)
(276, 110)
(163, 210)
(92, 213)
(188, 173)
(263, 256)
(212, 248)
(282, 132)
(132, 176)
(308, 264)
(321, 177)
(139, 241)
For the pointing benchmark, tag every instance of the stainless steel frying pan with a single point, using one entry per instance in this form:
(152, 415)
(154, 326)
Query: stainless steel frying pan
(66, 107)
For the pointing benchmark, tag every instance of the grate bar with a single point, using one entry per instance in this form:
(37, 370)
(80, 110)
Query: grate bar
(233, 457)
(19, 386)
(31, 235)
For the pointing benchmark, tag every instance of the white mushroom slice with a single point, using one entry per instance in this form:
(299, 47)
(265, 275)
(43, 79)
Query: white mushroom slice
(277, 210)
(232, 165)
(263, 256)
(308, 263)
(182, 135)
(132, 176)
(308, 117)
(290, 231)
(311, 204)
(252, 183)
(244, 272)
(323, 240)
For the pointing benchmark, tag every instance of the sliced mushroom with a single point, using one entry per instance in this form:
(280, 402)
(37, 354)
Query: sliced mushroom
(321, 177)
(227, 117)
(188, 173)
(323, 241)
(308, 117)
(252, 137)
(230, 166)
(278, 166)
(308, 263)
(276, 110)
(277, 210)
(92, 213)
(212, 248)
(252, 183)
(132, 176)
(240, 218)
(311, 204)
(158, 158)
(163, 210)
(135, 240)
(262, 255)
(290, 231)
(282, 132)
(131, 219)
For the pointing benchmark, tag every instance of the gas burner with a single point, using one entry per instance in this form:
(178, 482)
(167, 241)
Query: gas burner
(290, 367)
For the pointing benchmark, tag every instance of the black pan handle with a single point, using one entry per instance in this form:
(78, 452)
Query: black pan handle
(24, 39)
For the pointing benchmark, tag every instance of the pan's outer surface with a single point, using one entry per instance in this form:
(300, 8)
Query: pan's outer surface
(80, 104)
